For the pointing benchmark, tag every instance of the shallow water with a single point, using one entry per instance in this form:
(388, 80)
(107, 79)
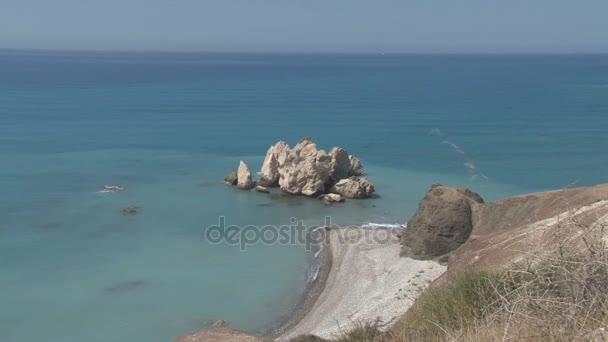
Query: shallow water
(168, 127)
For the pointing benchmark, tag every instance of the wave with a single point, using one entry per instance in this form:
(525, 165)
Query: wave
(312, 276)
(384, 225)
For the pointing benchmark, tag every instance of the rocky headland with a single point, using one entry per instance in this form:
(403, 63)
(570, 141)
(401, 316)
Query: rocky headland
(307, 171)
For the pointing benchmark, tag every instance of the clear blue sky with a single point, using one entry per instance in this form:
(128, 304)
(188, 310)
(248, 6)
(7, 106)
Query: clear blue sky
(308, 25)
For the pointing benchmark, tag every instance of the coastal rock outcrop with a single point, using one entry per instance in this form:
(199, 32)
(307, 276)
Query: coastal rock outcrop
(244, 181)
(305, 170)
(354, 187)
(444, 220)
(509, 230)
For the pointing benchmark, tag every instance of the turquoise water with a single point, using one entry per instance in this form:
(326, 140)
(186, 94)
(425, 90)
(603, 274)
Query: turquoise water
(168, 127)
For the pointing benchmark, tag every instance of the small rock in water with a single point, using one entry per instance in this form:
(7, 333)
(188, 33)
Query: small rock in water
(219, 324)
(353, 187)
(231, 179)
(244, 180)
(129, 211)
(329, 199)
(260, 188)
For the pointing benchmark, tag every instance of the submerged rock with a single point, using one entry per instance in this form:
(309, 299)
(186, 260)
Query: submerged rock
(443, 222)
(124, 286)
(244, 181)
(354, 187)
(129, 211)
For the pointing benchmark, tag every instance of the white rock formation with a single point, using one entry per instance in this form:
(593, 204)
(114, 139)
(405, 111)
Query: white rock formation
(245, 181)
(275, 158)
(304, 170)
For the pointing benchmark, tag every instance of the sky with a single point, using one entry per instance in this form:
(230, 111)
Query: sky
(404, 26)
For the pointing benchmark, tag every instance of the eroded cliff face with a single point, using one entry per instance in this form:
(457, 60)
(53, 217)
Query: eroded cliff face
(503, 232)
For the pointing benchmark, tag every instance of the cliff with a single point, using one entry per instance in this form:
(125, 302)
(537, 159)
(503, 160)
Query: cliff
(456, 224)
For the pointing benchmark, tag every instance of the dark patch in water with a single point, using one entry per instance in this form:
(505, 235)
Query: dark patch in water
(207, 184)
(264, 205)
(290, 200)
(129, 211)
(124, 286)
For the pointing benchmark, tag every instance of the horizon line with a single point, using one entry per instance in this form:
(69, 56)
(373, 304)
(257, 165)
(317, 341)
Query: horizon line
(292, 52)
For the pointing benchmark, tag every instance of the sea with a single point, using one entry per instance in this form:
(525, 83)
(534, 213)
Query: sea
(167, 127)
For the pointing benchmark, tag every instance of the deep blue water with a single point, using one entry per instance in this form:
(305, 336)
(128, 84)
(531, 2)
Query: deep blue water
(168, 127)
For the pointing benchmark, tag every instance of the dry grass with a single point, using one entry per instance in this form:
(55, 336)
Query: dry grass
(560, 294)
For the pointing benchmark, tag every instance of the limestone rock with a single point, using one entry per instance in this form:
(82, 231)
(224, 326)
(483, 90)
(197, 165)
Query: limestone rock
(331, 198)
(245, 181)
(305, 170)
(443, 222)
(263, 189)
(340, 164)
(356, 168)
(231, 179)
(353, 187)
(275, 158)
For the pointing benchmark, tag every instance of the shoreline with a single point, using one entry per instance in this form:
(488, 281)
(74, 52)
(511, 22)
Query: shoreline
(364, 281)
(323, 258)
